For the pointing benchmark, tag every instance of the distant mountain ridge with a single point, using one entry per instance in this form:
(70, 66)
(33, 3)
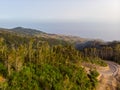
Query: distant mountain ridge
(26, 31)
(37, 33)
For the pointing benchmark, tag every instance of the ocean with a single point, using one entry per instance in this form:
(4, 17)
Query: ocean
(94, 30)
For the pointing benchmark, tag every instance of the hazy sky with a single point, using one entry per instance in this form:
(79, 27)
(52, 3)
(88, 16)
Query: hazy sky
(47, 10)
(27, 12)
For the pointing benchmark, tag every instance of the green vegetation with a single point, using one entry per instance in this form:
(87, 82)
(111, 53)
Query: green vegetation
(29, 63)
(95, 60)
(111, 51)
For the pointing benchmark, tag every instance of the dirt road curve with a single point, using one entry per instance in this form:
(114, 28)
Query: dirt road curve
(108, 80)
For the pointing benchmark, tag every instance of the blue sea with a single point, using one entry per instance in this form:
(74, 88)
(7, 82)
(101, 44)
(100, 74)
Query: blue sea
(93, 30)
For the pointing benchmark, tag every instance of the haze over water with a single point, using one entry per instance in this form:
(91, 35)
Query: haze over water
(104, 31)
(97, 19)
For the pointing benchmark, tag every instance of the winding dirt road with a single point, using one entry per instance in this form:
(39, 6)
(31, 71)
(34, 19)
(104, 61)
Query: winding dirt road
(107, 79)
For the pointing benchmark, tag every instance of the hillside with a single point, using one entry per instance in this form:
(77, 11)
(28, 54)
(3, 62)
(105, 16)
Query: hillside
(104, 50)
(37, 33)
(19, 34)
(51, 62)
(30, 61)
(26, 31)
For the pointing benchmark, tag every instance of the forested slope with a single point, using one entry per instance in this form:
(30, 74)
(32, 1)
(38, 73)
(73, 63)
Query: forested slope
(103, 50)
(30, 63)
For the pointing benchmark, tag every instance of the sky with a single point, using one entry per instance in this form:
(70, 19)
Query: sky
(35, 13)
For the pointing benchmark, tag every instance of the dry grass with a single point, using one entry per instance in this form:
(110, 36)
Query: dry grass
(2, 79)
